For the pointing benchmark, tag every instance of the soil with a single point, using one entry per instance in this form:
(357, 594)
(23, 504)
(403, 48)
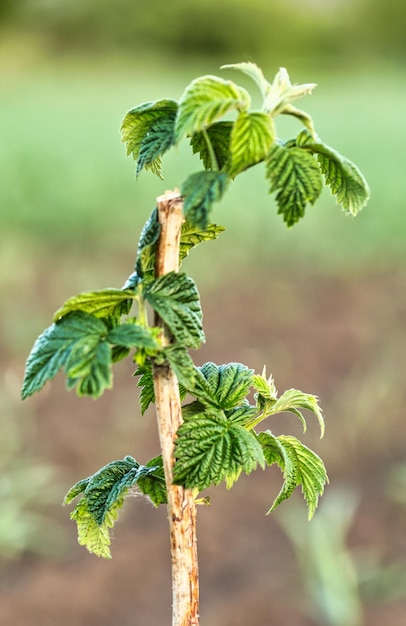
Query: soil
(338, 337)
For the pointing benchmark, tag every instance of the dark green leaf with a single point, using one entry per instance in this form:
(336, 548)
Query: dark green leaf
(294, 173)
(206, 100)
(251, 139)
(146, 382)
(200, 190)
(88, 366)
(103, 495)
(77, 343)
(219, 136)
(345, 180)
(148, 131)
(300, 466)
(191, 236)
(210, 448)
(104, 303)
(175, 298)
(145, 261)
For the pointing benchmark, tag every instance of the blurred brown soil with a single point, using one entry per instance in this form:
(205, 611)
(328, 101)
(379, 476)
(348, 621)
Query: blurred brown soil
(339, 338)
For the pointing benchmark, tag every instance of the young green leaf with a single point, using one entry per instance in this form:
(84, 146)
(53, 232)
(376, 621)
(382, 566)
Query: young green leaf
(206, 100)
(300, 466)
(345, 180)
(77, 343)
(222, 386)
(191, 236)
(175, 298)
(106, 303)
(210, 448)
(253, 71)
(294, 173)
(216, 139)
(200, 190)
(252, 136)
(103, 495)
(148, 131)
(293, 400)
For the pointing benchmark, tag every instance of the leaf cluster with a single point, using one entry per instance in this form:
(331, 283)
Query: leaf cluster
(296, 170)
(223, 404)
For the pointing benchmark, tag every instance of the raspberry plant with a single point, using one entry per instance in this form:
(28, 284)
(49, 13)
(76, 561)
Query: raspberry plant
(208, 423)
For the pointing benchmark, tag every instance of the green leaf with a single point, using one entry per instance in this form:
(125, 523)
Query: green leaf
(293, 400)
(300, 466)
(252, 136)
(77, 343)
(106, 303)
(191, 236)
(153, 484)
(222, 386)
(206, 100)
(88, 366)
(294, 173)
(148, 131)
(200, 190)
(103, 495)
(181, 364)
(345, 180)
(219, 136)
(175, 298)
(253, 71)
(146, 382)
(210, 448)
(132, 335)
(145, 261)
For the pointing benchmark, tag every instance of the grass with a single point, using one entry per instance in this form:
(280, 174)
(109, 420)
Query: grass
(66, 181)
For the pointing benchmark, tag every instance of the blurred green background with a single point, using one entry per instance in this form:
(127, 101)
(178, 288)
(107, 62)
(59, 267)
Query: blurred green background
(323, 304)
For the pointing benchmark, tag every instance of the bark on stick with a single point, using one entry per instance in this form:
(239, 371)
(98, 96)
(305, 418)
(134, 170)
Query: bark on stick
(181, 504)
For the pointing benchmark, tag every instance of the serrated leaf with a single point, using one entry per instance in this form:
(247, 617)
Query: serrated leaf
(153, 484)
(200, 190)
(192, 235)
(95, 538)
(210, 448)
(132, 335)
(181, 364)
(145, 261)
(254, 72)
(264, 387)
(103, 495)
(88, 366)
(251, 138)
(104, 303)
(219, 136)
(206, 100)
(75, 342)
(222, 386)
(300, 466)
(295, 175)
(175, 298)
(345, 180)
(148, 131)
(293, 400)
(146, 382)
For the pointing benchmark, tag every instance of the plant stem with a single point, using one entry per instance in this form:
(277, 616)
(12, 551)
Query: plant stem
(181, 504)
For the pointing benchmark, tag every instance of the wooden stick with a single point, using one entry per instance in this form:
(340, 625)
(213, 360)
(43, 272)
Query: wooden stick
(181, 504)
